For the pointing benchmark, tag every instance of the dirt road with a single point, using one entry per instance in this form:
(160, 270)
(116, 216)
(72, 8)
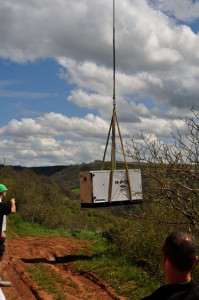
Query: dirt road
(52, 258)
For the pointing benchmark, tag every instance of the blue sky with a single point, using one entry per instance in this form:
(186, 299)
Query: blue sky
(34, 88)
(56, 75)
(194, 25)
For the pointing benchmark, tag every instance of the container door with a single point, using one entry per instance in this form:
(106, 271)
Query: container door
(85, 187)
(100, 186)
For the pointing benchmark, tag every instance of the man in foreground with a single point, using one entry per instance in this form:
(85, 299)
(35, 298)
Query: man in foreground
(179, 251)
(6, 208)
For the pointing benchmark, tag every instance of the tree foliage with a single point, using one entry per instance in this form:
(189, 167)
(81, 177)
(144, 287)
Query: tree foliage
(172, 169)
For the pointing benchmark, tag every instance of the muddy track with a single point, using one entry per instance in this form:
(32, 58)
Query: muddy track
(56, 256)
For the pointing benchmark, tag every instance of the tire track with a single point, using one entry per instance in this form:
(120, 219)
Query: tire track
(24, 253)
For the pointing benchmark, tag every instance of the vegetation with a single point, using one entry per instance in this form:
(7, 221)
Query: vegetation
(49, 281)
(173, 169)
(17, 226)
(127, 279)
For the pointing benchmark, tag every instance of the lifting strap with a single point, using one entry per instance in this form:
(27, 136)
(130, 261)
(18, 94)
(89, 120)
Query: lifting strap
(112, 129)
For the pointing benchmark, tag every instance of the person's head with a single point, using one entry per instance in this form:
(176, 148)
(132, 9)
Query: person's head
(3, 189)
(179, 252)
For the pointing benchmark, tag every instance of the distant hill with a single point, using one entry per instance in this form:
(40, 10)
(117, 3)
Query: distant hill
(47, 171)
(68, 176)
(65, 176)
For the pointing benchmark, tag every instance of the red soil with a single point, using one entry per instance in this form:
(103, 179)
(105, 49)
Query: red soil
(23, 253)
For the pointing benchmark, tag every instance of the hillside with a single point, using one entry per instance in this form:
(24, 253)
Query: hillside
(124, 243)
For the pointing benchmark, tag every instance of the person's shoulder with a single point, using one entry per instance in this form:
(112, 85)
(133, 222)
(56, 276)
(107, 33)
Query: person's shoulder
(157, 294)
(188, 291)
(175, 292)
(5, 208)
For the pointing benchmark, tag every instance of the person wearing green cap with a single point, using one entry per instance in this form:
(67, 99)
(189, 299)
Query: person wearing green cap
(6, 208)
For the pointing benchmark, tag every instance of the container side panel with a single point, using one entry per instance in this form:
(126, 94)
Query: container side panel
(100, 186)
(120, 190)
(136, 184)
(85, 187)
(120, 186)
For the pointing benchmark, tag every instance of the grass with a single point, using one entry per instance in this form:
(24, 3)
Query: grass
(85, 235)
(17, 226)
(48, 281)
(76, 190)
(126, 279)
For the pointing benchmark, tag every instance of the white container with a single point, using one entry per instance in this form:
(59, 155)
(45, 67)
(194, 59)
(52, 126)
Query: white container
(96, 185)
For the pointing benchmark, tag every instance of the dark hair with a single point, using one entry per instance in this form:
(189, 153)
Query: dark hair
(180, 249)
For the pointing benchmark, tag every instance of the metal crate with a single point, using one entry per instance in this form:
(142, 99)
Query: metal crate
(94, 187)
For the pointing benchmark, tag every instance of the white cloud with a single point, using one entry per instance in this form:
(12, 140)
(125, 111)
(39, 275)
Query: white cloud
(157, 72)
(53, 139)
(57, 139)
(52, 124)
(175, 88)
(82, 30)
(156, 58)
(126, 110)
(82, 99)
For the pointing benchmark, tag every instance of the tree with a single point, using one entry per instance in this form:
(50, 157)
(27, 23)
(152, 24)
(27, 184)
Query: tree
(172, 170)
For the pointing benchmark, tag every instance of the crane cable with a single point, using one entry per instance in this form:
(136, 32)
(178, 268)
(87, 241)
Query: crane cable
(114, 123)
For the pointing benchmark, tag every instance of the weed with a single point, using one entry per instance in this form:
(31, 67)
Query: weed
(47, 280)
(17, 226)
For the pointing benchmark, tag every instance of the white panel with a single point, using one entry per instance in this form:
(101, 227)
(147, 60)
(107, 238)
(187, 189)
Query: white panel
(120, 186)
(100, 185)
(120, 190)
(136, 184)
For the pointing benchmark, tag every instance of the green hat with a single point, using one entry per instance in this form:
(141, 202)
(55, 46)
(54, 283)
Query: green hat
(3, 188)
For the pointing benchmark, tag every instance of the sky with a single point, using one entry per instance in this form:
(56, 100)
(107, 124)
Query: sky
(56, 75)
